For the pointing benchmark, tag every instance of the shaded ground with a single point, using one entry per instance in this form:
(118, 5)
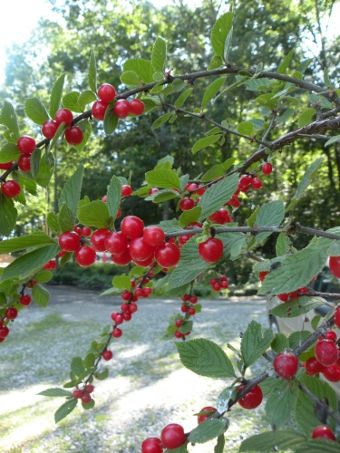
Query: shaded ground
(147, 387)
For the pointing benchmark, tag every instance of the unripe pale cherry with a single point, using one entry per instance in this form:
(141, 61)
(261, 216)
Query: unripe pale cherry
(173, 436)
(26, 144)
(10, 188)
(64, 116)
(267, 168)
(85, 256)
(334, 265)
(205, 413)
(121, 108)
(69, 241)
(140, 250)
(154, 236)
(74, 135)
(152, 445)
(106, 92)
(98, 239)
(286, 365)
(323, 432)
(24, 163)
(49, 129)
(132, 227)
(326, 352)
(98, 110)
(126, 190)
(251, 399)
(167, 255)
(211, 250)
(136, 107)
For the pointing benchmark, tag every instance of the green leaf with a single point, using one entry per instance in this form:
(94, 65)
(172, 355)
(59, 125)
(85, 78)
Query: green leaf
(56, 95)
(297, 307)
(282, 244)
(158, 55)
(94, 214)
(190, 216)
(86, 97)
(44, 174)
(280, 343)
(255, 341)
(8, 215)
(9, 119)
(265, 442)
(9, 152)
(217, 195)
(183, 97)
(281, 402)
(121, 282)
(163, 195)
(307, 179)
(43, 276)
(212, 89)
(70, 194)
(92, 72)
(269, 214)
(318, 446)
(204, 142)
(30, 262)
(306, 116)
(285, 62)
(234, 244)
(208, 430)
(205, 358)
(163, 176)
(219, 447)
(219, 33)
(161, 120)
(246, 128)
(40, 295)
(65, 219)
(141, 67)
(36, 111)
(110, 121)
(77, 367)
(101, 375)
(130, 78)
(64, 410)
(35, 240)
(113, 196)
(55, 392)
(332, 140)
(217, 170)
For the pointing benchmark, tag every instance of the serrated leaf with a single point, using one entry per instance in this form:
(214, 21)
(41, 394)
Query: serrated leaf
(280, 342)
(34, 240)
(265, 442)
(306, 116)
(9, 152)
(70, 194)
(130, 78)
(8, 215)
(297, 307)
(210, 429)
(9, 119)
(255, 341)
(64, 410)
(163, 195)
(65, 219)
(94, 214)
(318, 446)
(205, 142)
(285, 62)
(141, 67)
(269, 214)
(212, 89)
(307, 179)
(234, 244)
(217, 170)
(92, 77)
(163, 176)
(40, 295)
(219, 33)
(246, 128)
(217, 195)
(158, 55)
(110, 121)
(332, 140)
(86, 97)
(113, 196)
(281, 403)
(205, 358)
(55, 392)
(180, 101)
(56, 95)
(190, 216)
(282, 244)
(70, 101)
(36, 111)
(43, 276)
(161, 120)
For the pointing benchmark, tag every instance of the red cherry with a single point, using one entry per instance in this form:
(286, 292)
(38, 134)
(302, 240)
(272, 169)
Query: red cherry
(89, 388)
(216, 286)
(332, 373)
(179, 322)
(337, 317)
(193, 299)
(98, 239)
(312, 366)
(221, 217)
(186, 203)
(191, 187)
(6, 165)
(104, 198)
(69, 241)
(205, 413)
(50, 265)
(267, 168)
(117, 318)
(117, 244)
(26, 144)
(136, 107)
(107, 354)
(10, 188)
(25, 299)
(117, 332)
(323, 432)
(286, 365)
(98, 110)
(86, 231)
(154, 236)
(4, 331)
(191, 311)
(126, 295)
(106, 92)
(86, 256)
(132, 227)
(49, 129)
(123, 259)
(11, 313)
(152, 445)
(263, 275)
(74, 135)
(251, 399)
(64, 116)
(168, 255)
(234, 201)
(77, 393)
(179, 334)
(326, 352)
(331, 335)
(78, 230)
(211, 250)
(245, 183)
(173, 436)
(24, 162)
(140, 250)
(121, 108)
(86, 398)
(284, 297)
(133, 308)
(31, 283)
(126, 190)
(145, 263)
(256, 183)
(334, 265)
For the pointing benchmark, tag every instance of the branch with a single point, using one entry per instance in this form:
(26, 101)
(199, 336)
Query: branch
(324, 295)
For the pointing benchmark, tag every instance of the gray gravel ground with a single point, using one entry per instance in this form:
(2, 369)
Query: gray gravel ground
(147, 387)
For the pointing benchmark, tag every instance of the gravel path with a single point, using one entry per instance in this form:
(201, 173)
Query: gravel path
(147, 387)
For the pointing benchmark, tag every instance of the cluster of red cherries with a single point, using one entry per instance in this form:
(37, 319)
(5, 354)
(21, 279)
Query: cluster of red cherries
(84, 394)
(188, 308)
(219, 283)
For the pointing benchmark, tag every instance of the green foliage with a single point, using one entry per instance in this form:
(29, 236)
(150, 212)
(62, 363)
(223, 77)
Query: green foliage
(8, 152)
(205, 142)
(65, 409)
(164, 176)
(269, 214)
(35, 240)
(55, 392)
(36, 111)
(113, 196)
(219, 34)
(297, 307)
(208, 430)
(159, 53)
(255, 341)
(56, 95)
(9, 119)
(92, 73)
(70, 194)
(284, 440)
(94, 213)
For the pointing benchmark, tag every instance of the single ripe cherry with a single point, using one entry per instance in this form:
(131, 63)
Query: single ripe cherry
(267, 168)
(251, 399)
(323, 432)
(337, 317)
(107, 354)
(263, 275)
(117, 332)
(4, 331)
(245, 183)
(173, 436)
(11, 313)
(122, 260)
(121, 108)
(126, 190)
(312, 366)
(186, 204)
(86, 231)
(152, 445)
(167, 255)
(86, 256)
(132, 227)
(98, 110)
(49, 129)
(89, 388)
(334, 265)
(256, 183)
(74, 135)
(26, 144)
(98, 239)
(24, 163)
(332, 373)
(86, 398)
(154, 236)
(140, 250)
(64, 116)
(69, 241)
(205, 414)
(286, 365)
(25, 299)
(10, 188)
(331, 335)
(326, 352)
(106, 92)
(211, 250)
(51, 265)
(136, 107)
(77, 393)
